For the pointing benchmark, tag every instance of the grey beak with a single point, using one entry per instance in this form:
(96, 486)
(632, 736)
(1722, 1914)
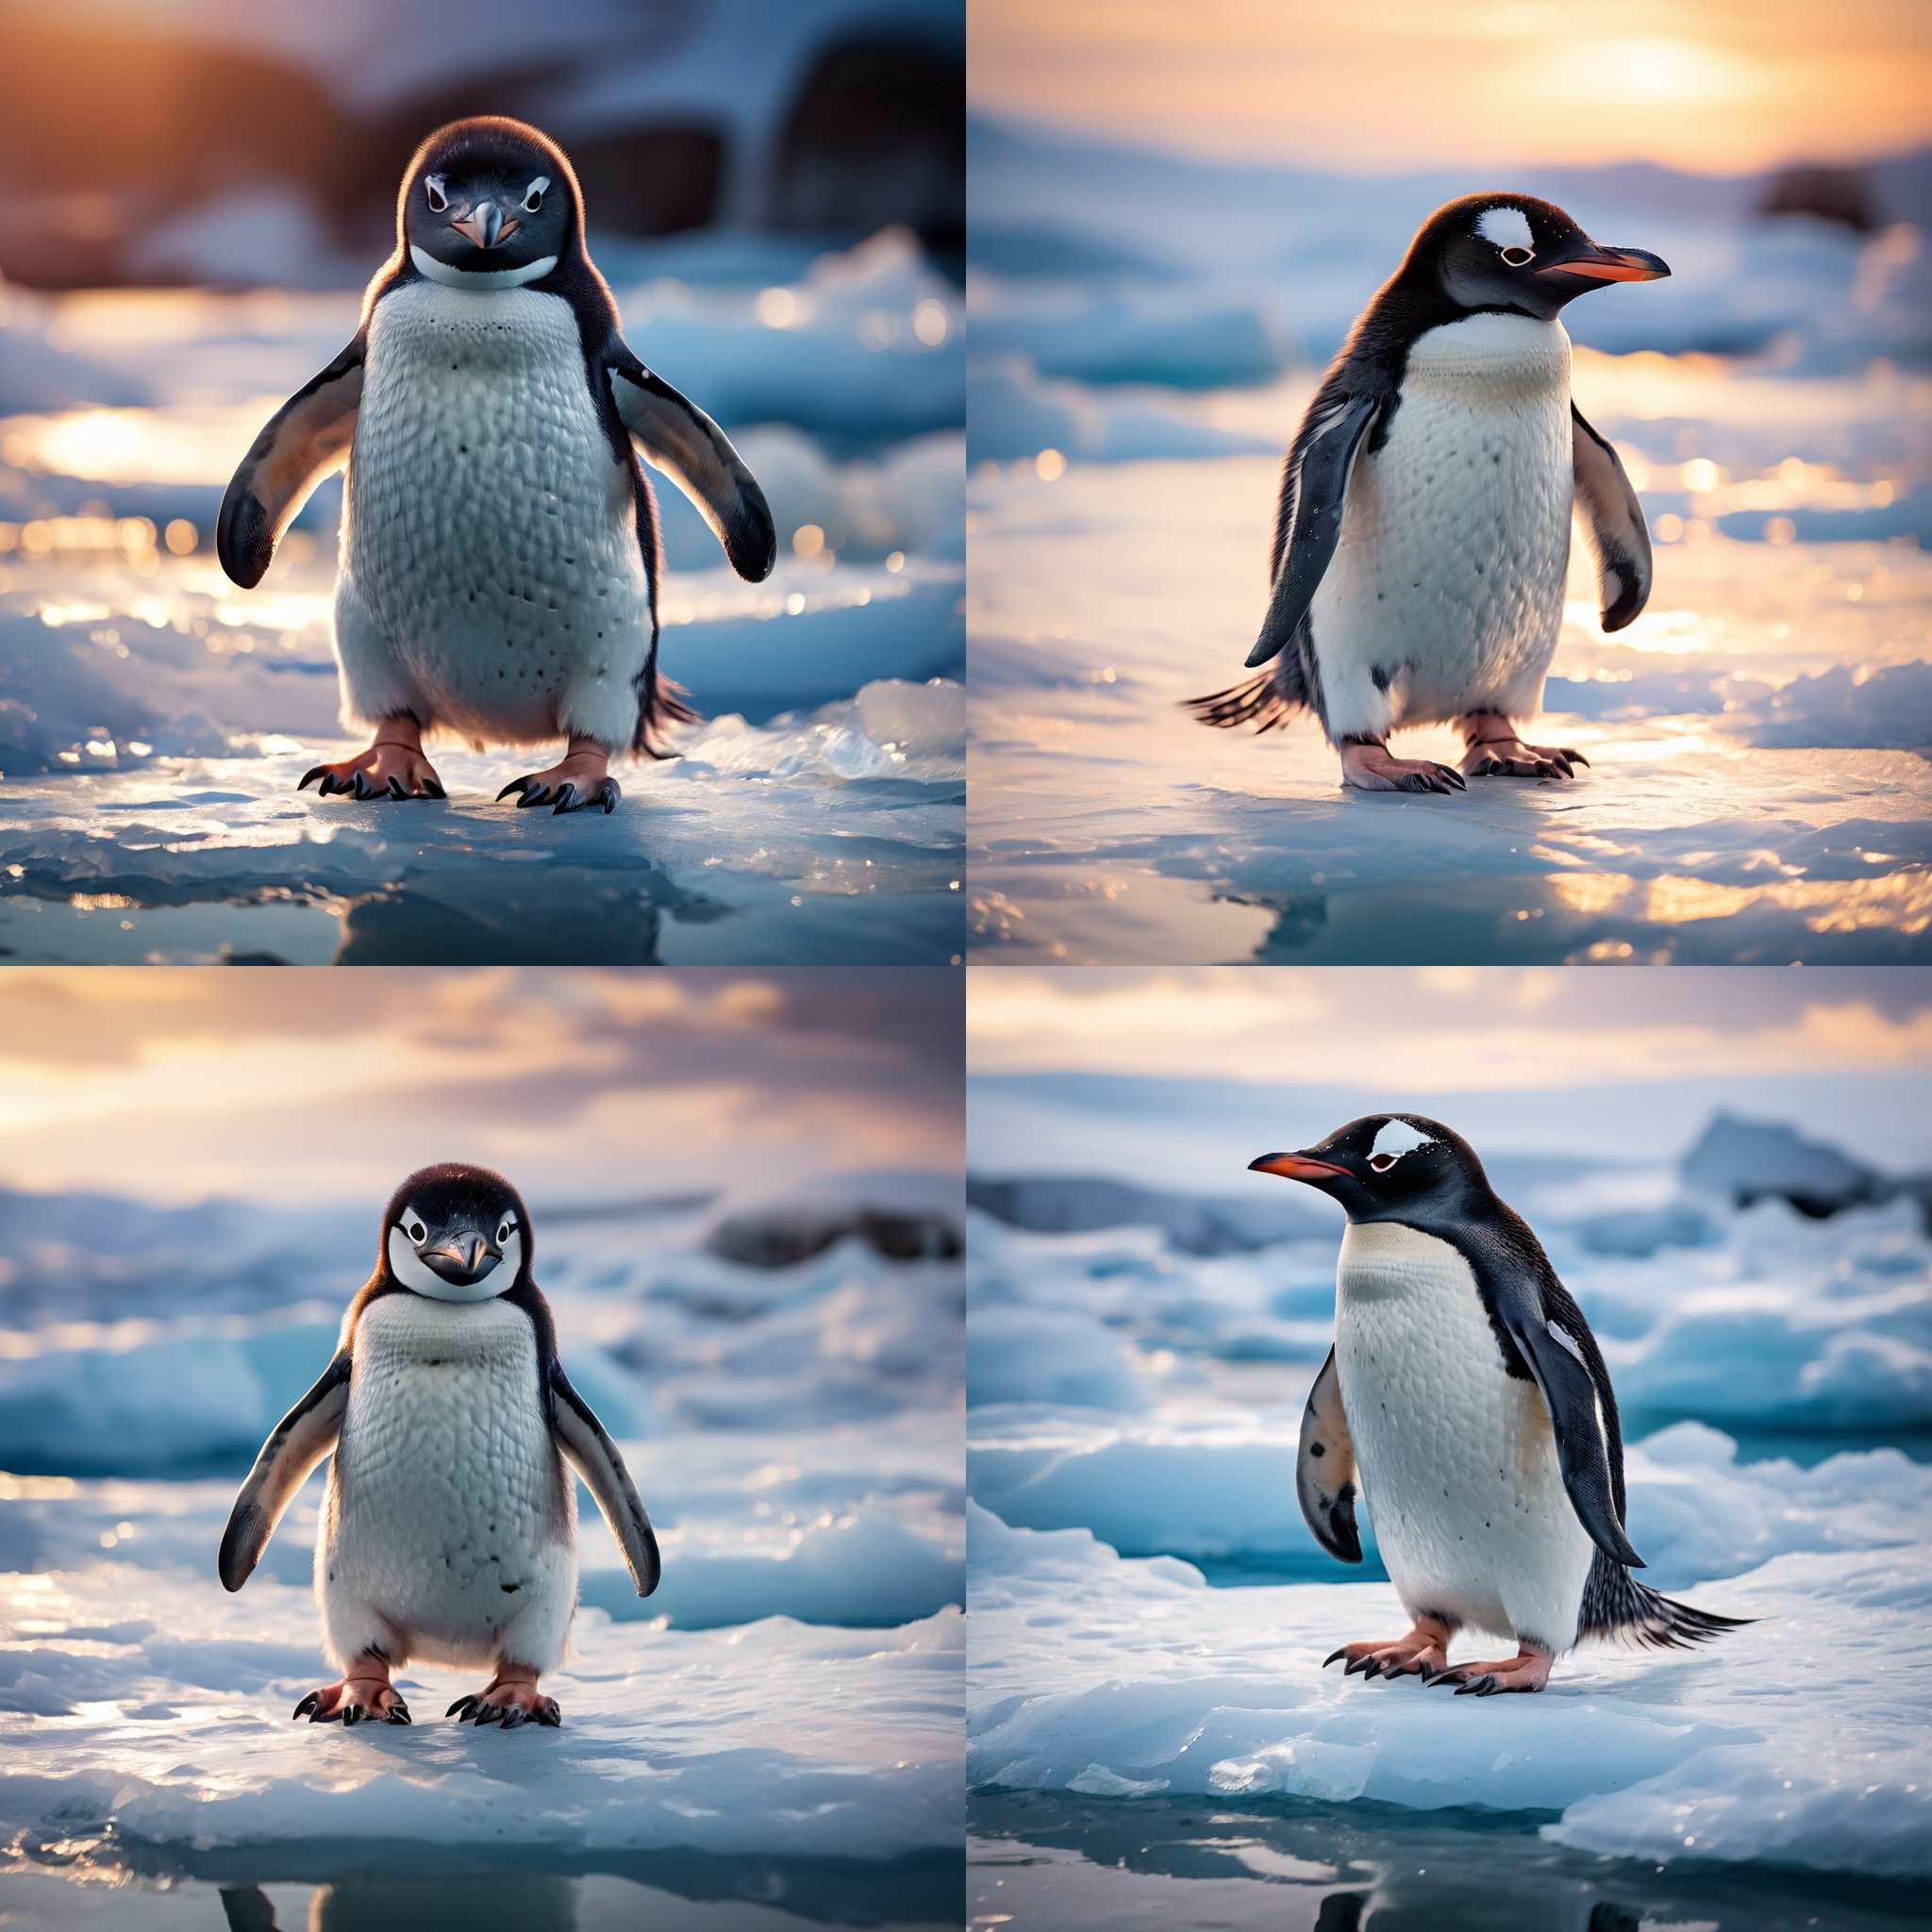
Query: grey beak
(462, 1258)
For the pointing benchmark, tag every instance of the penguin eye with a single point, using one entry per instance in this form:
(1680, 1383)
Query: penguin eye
(508, 1229)
(1381, 1163)
(432, 186)
(413, 1227)
(1517, 258)
(534, 199)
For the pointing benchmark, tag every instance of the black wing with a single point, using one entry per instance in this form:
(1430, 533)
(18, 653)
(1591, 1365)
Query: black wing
(1324, 1468)
(1613, 525)
(679, 439)
(1314, 494)
(299, 1442)
(1544, 1333)
(592, 1452)
(306, 438)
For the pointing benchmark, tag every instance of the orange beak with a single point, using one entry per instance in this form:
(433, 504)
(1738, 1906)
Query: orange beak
(1297, 1167)
(1611, 265)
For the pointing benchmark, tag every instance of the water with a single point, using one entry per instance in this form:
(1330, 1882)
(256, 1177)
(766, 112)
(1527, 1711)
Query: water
(1072, 1863)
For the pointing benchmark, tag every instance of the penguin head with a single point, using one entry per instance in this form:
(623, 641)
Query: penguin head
(1515, 251)
(489, 203)
(456, 1234)
(1387, 1167)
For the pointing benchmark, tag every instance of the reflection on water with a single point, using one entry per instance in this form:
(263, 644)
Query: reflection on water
(1035, 1862)
(367, 1886)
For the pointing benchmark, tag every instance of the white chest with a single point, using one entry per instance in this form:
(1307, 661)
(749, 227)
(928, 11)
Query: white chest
(490, 524)
(446, 1482)
(1457, 1459)
(1448, 576)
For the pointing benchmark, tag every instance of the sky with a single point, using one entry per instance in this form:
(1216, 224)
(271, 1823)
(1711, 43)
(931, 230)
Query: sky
(581, 1085)
(1711, 86)
(1163, 1076)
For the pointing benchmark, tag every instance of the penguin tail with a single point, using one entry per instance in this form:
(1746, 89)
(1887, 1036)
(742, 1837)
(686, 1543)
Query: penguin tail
(1260, 702)
(660, 705)
(1617, 1605)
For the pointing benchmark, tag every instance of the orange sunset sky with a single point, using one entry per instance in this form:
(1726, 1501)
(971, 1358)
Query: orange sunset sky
(1405, 83)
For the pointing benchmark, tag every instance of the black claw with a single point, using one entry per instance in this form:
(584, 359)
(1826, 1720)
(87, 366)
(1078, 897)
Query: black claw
(514, 1717)
(1454, 776)
(353, 1714)
(1476, 1686)
(490, 1714)
(1358, 1664)
(362, 786)
(536, 795)
(514, 785)
(309, 1702)
(608, 795)
(399, 1713)
(1333, 1655)
(328, 785)
(310, 777)
(547, 1713)
(432, 788)
(459, 1708)
(567, 799)
(396, 788)
(1575, 757)
(1451, 1676)
(327, 1717)
(1374, 1670)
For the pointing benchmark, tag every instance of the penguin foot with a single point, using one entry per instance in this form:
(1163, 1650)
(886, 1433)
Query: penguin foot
(1528, 1670)
(580, 782)
(508, 1702)
(1509, 758)
(354, 1701)
(1422, 1652)
(388, 769)
(1367, 764)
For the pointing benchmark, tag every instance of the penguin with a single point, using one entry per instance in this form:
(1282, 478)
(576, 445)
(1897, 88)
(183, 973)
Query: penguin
(449, 1529)
(1423, 531)
(499, 555)
(1466, 1400)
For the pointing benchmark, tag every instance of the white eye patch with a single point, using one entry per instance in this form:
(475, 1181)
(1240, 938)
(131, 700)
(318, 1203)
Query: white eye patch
(413, 1272)
(1396, 1138)
(1507, 228)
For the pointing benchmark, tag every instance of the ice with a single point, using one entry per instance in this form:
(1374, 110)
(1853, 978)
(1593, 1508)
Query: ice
(774, 1736)
(1755, 792)
(1098, 1673)
(154, 718)
(1746, 1160)
(792, 1689)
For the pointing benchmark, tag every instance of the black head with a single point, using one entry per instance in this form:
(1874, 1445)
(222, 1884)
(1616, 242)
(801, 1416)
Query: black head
(490, 203)
(456, 1234)
(1515, 251)
(1391, 1167)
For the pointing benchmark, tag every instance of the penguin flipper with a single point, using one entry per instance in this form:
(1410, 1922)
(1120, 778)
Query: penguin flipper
(592, 1452)
(1325, 1468)
(679, 439)
(306, 438)
(1557, 1358)
(297, 1443)
(1612, 521)
(1320, 483)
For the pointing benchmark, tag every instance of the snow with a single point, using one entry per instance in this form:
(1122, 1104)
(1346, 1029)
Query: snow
(1746, 1160)
(792, 1690)
(1756, 790)
(1096, 1674)
(154, 720)
(1149, 1611)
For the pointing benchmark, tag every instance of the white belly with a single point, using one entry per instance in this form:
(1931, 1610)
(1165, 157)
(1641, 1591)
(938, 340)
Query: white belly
(1448, 575)
(1457, 1460)
(448, 1514)
(490, 544)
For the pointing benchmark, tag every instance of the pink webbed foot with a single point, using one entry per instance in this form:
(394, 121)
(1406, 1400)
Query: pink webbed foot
(1528, 1670)
(508, 1702)
(391, 768)
(1421, 1653)
(1496, 752)
(576, 782)
(1370, 766)
(354, 1701)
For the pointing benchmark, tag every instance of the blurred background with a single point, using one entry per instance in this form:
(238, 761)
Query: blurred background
(1731, 1172)
(199, 191)
(746, 1201)
(1176, 214)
